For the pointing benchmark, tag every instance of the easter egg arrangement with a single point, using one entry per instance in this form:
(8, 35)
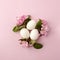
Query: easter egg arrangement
(30, 31)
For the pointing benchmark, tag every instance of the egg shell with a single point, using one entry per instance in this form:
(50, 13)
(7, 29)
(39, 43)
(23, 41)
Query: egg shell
(24, 33)
(31, 25)
(34, 34)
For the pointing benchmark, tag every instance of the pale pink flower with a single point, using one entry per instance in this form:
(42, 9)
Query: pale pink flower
(21, 19)
(44, 22)
(24, 43)
(44, 29)
(43, 33)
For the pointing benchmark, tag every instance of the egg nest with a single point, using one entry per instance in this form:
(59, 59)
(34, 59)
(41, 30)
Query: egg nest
(30, 31)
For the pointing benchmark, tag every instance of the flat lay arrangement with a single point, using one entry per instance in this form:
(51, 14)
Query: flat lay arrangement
(30, 31)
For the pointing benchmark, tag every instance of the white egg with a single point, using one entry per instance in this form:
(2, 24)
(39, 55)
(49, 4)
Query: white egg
(34, 34)
(24, 33)
(31, 25)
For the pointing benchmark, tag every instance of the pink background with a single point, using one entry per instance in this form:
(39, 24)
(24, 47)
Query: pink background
(9, 45)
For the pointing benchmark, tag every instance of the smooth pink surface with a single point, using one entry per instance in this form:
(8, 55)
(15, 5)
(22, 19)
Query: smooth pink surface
(9, 45)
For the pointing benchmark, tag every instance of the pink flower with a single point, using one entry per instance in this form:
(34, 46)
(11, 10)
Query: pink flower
(43, 33)
(44, 22)
(24, 43)
(21, 19)
(44, 29)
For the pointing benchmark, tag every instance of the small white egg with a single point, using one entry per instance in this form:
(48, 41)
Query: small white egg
(24, 33)
(34, 34)
(31, 25)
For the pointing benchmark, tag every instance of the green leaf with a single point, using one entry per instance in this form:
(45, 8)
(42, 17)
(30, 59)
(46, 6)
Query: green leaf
(38, 25)
(37, 45)
(18, 28)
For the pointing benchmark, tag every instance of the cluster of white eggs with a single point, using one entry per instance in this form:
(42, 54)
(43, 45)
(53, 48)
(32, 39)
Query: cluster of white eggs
(33, 34)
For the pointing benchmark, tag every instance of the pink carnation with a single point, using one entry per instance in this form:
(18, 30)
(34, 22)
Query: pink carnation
(21, 19)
